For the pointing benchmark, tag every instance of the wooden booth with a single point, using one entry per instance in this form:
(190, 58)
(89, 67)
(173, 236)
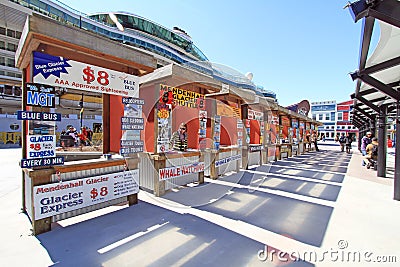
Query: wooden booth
(63, 67)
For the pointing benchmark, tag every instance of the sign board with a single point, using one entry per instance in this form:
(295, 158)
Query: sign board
(56, 198)
(39, 162)
(40, 95)
(177, 171)
(255, 148)
(41, 146)
(223, 161)
(59, 71)
(179, 97)
(39, 116)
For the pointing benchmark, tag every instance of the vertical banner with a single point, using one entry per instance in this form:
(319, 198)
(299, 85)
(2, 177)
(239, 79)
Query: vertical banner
(164, 121)
(261, 132)
(202, 129)
(131, 125)
(239, 133)
(217, 132)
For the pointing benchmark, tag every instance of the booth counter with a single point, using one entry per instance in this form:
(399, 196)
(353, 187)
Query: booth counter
(87, 184)
(162, 172)
(226, 159)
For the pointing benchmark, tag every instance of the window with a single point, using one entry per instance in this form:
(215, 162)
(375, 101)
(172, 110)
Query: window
(320, 117)
(314, 117)
(2, 45)
(2, 31)
(11, 62)
(11, 47)
(340, 116)
(327, 117)
(10, 33)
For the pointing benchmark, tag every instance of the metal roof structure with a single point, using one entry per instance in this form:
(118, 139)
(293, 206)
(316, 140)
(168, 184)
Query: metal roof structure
(377, 94)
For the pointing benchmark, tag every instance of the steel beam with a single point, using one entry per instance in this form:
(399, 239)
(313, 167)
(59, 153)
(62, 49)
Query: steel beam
(382, 147)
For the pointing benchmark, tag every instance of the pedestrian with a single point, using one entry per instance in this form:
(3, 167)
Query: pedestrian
(348, 141)
(342, 142)
(179, 138)
(365, 141)
(308, 141)
(314, 140)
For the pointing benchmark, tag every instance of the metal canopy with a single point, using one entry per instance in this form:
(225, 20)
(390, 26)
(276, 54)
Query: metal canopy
(377, 93)
(378, 77)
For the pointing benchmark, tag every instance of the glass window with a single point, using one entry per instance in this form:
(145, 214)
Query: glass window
(2, 31)
(2, 45)
(314, 117)
(327, 117)
(11, 47)
(2, 61)
(320, 117)
(340, 116)
(10, 33)
(10, 62)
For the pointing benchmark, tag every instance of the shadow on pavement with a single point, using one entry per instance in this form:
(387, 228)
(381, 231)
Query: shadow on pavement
(147, 235)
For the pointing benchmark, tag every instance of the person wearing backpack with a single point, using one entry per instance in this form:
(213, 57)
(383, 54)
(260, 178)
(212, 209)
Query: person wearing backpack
(342, 142)
(372, 152)
(348, 140)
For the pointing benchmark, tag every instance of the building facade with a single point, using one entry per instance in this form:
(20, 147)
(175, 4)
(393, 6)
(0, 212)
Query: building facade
(336, 118)
(325, 112)
(343, 119)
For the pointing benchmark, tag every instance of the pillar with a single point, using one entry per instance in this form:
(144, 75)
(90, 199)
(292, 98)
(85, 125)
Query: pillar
(382, 148)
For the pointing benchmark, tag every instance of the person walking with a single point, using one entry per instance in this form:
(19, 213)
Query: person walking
(342, 142)
(348, 141)
(365, 141)
(314, 140)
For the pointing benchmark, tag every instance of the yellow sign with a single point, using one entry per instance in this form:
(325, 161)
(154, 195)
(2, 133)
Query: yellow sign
(182, 97)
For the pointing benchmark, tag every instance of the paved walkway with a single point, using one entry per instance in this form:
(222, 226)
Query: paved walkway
(322, 208)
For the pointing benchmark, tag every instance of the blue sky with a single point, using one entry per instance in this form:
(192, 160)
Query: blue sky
(298, 49)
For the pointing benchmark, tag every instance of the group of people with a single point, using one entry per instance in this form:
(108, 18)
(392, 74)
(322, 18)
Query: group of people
(82, 138)
(369, 149)
(345, 142)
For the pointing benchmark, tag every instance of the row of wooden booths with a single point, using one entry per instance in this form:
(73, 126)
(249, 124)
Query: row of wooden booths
(228, 128)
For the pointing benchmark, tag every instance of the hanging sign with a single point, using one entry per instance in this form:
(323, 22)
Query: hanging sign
(179, 97)
(59, 71)
(40, 95)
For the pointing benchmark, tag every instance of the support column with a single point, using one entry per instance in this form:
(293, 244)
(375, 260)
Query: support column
(397, 158)
(361, 133)
(382, 140)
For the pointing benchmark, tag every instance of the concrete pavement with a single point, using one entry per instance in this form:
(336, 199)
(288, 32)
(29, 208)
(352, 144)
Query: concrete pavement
(323, 208)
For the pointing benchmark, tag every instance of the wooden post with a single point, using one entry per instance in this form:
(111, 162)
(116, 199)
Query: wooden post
(213, 169)
(159, 186)
(132, 163)
(40, 177)
(201, 174)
